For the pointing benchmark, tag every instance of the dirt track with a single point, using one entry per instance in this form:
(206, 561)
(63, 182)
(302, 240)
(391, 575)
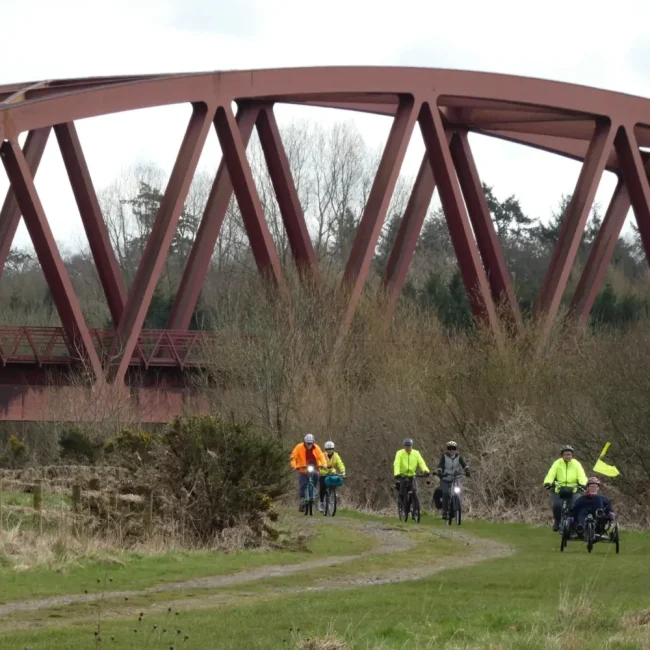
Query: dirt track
(390, 540)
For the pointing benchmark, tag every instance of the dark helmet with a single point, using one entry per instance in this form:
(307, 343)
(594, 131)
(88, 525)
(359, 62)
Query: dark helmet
(407, 442)
(566, 448)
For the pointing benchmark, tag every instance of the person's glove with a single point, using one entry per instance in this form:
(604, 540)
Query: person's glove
(439, 472)
(547, 486)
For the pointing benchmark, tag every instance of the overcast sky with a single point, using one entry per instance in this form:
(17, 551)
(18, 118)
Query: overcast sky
(602, 44)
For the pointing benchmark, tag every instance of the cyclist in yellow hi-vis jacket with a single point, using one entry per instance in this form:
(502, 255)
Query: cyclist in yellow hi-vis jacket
(407, 462)
(334, 463)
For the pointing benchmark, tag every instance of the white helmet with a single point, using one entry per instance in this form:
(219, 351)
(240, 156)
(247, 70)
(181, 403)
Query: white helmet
(309, 439)
(329, 445)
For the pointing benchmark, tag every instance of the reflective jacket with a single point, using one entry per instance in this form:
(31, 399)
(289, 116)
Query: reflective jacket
(566, 474)
(407, 464)
(450, 465)
(334, 462)
(299, 457)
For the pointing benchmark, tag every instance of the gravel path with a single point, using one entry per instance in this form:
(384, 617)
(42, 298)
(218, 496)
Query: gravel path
(390, 540)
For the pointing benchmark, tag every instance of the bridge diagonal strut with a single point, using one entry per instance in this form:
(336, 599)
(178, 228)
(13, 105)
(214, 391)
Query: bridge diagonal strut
(407, 236)
(155, 252)
(10, 213)
(636, 180)
(573, 226)
(198, 262)
(286, 193)
(234, 153)
(63, 294)
(601, 253)
(99, 241)
(372, 220)
(498, 276)
(467, 253)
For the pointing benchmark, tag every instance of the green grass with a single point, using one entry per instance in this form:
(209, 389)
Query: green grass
(537, 598)
(134, 571)
(50, 500)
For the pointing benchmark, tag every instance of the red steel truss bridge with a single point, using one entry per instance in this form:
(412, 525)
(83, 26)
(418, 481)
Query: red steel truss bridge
(604, 130)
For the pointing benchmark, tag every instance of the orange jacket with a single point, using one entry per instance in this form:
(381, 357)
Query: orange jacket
(299, 456)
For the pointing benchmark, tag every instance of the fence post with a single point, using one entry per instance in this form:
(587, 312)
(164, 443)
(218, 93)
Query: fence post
(148, 510)
(38, 504)
(76, 508)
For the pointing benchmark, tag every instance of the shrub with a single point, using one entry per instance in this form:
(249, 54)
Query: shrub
(15, 453)
(78, 446)
(131, 448)
(217, 474)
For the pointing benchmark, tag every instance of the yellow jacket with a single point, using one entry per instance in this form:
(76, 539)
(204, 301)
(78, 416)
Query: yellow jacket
(407, 464)
(566, 474)
(334, 462)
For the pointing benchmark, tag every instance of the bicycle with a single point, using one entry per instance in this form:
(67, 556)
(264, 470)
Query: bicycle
(309, 493)
(332, 481)
(599, 528)
(566, 493)
(454, 510)
(407, 498)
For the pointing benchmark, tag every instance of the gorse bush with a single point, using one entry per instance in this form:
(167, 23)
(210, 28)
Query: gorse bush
(80, 446)
(216, 474)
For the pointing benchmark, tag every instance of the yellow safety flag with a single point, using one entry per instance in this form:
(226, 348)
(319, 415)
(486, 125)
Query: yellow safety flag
(602, 467)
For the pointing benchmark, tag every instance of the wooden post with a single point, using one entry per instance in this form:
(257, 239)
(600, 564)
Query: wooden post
(76, 508)
(38, 504)
(148, 510)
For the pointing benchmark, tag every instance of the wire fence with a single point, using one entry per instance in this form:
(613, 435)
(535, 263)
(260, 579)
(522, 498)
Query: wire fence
(75, 499)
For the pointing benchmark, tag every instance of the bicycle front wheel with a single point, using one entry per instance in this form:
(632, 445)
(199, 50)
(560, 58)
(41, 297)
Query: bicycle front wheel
(589, 534)
(401, 510)
(416, 509)
(457, 509)
(332, 501)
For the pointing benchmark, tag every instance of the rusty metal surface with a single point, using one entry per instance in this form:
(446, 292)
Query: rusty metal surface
(604, 129)
(50, 346)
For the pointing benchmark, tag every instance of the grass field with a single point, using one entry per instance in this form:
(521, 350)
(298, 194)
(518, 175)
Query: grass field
(368, 582)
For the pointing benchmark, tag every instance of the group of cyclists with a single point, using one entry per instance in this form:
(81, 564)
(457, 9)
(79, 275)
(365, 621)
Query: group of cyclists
(565, 472)
(407, 462)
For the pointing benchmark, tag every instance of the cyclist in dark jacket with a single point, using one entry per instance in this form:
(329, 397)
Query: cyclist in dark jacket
(451, 463)
(589, 503)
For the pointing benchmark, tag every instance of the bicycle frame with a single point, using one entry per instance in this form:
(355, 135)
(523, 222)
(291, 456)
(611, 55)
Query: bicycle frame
(309, 491)
(407, 496)
(454, 505)
(330, 494)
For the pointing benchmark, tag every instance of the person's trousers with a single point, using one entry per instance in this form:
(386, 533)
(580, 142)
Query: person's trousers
(556, 504)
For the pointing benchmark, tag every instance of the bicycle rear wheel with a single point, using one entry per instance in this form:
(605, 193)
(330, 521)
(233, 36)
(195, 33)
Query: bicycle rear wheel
(333, 501)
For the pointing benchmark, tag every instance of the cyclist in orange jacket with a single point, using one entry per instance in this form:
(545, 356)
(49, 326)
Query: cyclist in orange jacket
(306, 453)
